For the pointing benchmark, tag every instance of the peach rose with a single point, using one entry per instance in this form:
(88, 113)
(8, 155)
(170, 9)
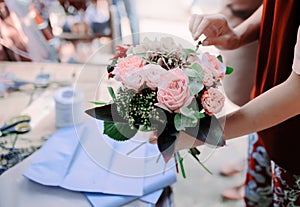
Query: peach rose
(127, 65)
(173, 92)
(152, 74)
(212, 101)
(213, 64)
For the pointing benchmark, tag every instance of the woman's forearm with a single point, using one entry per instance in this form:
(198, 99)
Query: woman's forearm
(270, 108)
(248, 30)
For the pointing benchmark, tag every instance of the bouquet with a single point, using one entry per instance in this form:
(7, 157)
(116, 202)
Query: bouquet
(164, 87)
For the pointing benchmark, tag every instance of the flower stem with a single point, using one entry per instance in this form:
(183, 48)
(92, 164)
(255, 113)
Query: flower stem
(195, 156)
(180, 159)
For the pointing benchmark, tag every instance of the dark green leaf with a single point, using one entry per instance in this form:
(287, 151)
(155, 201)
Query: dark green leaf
(229, 70)
(220, 58)
(166, 142)
(119, 131)
(106, 113)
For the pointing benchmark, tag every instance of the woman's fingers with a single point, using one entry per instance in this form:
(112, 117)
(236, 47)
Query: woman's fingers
(153, 137)
(210, 25)
(186, 141)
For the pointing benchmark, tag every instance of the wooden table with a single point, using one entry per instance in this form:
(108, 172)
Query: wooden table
(91, 80)
(39, 102)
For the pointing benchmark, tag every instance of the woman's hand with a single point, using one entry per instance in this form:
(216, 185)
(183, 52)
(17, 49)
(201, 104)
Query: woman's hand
(216, 29)
(183, 141)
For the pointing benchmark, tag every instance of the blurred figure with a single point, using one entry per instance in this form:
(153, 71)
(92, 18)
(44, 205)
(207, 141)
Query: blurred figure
(39, 49)
(11, 42)
(95, 17)
(131, 11)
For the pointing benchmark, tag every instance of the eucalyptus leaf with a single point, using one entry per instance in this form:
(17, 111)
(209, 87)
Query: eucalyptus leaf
(119, 131)
(189, 51)
(186, 111)
(181, 121)
(195, 87)
(197, 68)
(191, 73)
(199, 115)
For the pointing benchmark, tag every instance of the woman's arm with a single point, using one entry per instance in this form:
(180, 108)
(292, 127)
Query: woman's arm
(270, 108)
(218, 32)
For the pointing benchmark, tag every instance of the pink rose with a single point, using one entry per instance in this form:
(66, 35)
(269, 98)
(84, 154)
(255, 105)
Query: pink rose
(127, 65)
(173, 92)
(208, 78)
(212, 101)
(152, 74)
(134, 80)
(213, 64)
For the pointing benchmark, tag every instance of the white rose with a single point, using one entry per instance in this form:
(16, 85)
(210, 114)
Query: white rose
(152, 74)
(134, 80)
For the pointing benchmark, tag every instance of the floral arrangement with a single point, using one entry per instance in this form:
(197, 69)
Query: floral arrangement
(167, 88)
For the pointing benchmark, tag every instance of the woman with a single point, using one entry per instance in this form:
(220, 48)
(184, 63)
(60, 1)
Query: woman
(274, 110)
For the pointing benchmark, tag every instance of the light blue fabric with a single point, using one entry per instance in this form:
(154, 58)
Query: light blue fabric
(65, 160)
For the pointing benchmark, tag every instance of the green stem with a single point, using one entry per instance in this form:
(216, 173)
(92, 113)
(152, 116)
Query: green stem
(195, 156)
(180, 159)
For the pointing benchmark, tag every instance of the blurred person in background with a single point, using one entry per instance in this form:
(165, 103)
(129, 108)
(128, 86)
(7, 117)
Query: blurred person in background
(35, 36)
(133, 17)
(97, 19)
(11, 42)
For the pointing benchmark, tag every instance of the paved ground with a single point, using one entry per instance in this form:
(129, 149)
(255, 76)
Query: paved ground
(199, 188)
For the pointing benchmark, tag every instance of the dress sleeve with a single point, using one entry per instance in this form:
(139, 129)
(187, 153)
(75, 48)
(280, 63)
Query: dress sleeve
(296, 63)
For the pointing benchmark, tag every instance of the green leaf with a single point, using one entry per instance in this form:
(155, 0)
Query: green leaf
(195, 87)
(115, 61)
(197, 68)
(99, 103)
(112, 93)
(229, 70)
(181, 121)
(188, 51)
(220, 58)
(199, 115)
(191, 73)
(119, 131)
(180, 160)
(186, 111)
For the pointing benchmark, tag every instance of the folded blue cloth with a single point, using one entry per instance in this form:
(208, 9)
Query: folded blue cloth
(83, 159)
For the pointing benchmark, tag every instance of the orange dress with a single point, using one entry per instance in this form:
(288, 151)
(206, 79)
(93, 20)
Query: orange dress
(278, 37)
